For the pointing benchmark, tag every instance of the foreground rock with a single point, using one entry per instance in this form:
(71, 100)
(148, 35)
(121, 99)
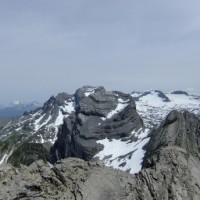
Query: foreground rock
(170, 171)
(172, 161)
(69, 179)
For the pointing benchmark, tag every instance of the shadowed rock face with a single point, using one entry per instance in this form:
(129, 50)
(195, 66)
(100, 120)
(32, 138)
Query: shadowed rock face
(99, 115)
(170, 171)
(171, 164)
(181, 130)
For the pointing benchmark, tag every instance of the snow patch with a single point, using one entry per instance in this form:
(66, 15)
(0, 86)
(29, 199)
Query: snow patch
(120, 106)
(90, 91)
(153, 109)
(52, 141)
(117, 152)
(123, 101)
(69, 107)
(7, 125)
(55, 137)
(5, 157)
(41, 140)
(103, 118)
(37, 124)
(59, 119)
(18, 129)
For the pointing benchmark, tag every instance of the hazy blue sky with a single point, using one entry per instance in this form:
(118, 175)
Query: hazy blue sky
(50, 46)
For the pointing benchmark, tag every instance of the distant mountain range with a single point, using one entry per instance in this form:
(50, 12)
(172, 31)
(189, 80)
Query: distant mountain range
(96, 120)
(153, 135)
(17, 108)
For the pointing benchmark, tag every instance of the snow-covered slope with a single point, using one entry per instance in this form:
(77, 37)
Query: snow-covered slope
(126, 154)
(154, 105)
(41, 124)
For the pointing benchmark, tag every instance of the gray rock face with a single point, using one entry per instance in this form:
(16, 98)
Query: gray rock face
(99, 114)
(95, 101)
(171, 165)
(68, 179)
(178, 129)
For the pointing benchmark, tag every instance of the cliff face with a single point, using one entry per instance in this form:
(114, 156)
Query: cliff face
(179, 131)
(170, 171)
(99, 115)
(171, 164)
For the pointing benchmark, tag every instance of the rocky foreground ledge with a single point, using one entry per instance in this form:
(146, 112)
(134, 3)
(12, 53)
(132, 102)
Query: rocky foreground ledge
(171, 170)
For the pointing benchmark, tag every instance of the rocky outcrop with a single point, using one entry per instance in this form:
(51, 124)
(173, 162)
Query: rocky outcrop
(171, 165)
(180, 130)
(68, 179)
(99, 115)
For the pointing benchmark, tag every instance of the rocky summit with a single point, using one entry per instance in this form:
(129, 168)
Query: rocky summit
(170, 170)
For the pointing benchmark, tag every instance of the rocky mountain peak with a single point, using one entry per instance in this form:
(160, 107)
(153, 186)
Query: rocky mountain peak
(99, 115)
(180, 130)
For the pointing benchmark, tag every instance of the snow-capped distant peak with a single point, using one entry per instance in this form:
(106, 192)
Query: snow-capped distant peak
(36, 104)
(154, 105)
(16, 102)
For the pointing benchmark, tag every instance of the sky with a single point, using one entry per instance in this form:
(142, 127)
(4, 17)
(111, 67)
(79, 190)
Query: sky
(52, 46)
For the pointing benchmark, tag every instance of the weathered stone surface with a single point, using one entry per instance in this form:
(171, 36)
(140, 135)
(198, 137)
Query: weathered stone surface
(69, 179)
(171, 165)
(178, 129)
